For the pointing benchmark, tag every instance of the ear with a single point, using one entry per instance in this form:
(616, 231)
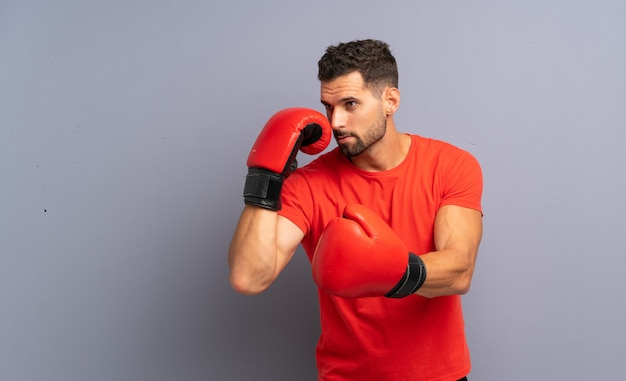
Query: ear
(391, 100)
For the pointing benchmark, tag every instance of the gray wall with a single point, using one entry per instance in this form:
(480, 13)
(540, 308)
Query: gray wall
(124, 129)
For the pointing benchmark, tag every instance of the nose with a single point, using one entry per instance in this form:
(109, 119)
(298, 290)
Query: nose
(337, 119)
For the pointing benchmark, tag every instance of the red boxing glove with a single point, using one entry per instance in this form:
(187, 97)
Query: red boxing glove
(358, 255)
(273, 155)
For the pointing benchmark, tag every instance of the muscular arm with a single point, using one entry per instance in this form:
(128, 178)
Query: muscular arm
(261, 247)
(458, 232)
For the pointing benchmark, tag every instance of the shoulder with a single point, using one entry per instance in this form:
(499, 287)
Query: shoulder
(440, 152)
(435, 146)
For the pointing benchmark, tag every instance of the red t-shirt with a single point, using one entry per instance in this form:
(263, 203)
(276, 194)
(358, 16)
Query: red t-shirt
(378, 339)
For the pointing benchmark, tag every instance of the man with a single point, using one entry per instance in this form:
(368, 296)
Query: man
(390, 221)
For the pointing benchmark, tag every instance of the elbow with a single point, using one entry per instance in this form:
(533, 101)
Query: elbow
(249, 277)
(464, 283)
(245, 288)
(464, 287)
(464, 278)
(247, 285)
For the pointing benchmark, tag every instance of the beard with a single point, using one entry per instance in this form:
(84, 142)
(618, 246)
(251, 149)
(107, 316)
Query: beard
(376, 132)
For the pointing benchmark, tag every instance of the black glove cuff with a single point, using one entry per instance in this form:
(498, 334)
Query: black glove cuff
(412, 280)
(263, 188)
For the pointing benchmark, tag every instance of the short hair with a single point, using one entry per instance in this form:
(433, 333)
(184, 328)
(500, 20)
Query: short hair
(371, 58)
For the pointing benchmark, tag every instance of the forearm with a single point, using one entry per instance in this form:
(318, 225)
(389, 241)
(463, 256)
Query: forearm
(252, 256)
(449, 272)
(450, 267)
(263, 242)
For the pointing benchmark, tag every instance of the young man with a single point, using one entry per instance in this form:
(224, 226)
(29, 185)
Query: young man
(390, 221)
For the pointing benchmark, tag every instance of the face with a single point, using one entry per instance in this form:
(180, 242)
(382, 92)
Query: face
(355, 114)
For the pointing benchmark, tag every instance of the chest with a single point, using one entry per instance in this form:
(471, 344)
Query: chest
(408, 201)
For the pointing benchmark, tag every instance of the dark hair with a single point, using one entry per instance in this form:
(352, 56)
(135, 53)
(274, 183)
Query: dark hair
(371, 58)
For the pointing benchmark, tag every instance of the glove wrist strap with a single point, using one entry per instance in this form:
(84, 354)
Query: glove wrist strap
(262, 188)
(412, 280)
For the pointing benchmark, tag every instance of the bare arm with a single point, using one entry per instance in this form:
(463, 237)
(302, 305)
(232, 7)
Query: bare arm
(261, 247)
(458, 232)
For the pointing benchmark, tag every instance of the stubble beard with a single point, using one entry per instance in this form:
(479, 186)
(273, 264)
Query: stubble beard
(361, 144)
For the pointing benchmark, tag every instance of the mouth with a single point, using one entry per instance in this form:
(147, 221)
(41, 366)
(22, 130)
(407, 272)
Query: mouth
(342, 141)
(342, 137)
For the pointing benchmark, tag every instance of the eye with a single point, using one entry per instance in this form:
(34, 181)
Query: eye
(350, 104)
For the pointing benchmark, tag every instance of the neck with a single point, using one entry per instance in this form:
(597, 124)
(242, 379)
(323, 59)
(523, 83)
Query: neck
(385, 154)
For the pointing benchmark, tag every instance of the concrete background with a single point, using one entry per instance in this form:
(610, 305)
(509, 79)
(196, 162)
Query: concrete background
(124, 129)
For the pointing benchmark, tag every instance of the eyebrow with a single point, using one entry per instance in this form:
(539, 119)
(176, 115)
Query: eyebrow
(342, 100)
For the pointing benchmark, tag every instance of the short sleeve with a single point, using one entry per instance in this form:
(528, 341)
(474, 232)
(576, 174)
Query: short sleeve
(463, 182)
(296, 201)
